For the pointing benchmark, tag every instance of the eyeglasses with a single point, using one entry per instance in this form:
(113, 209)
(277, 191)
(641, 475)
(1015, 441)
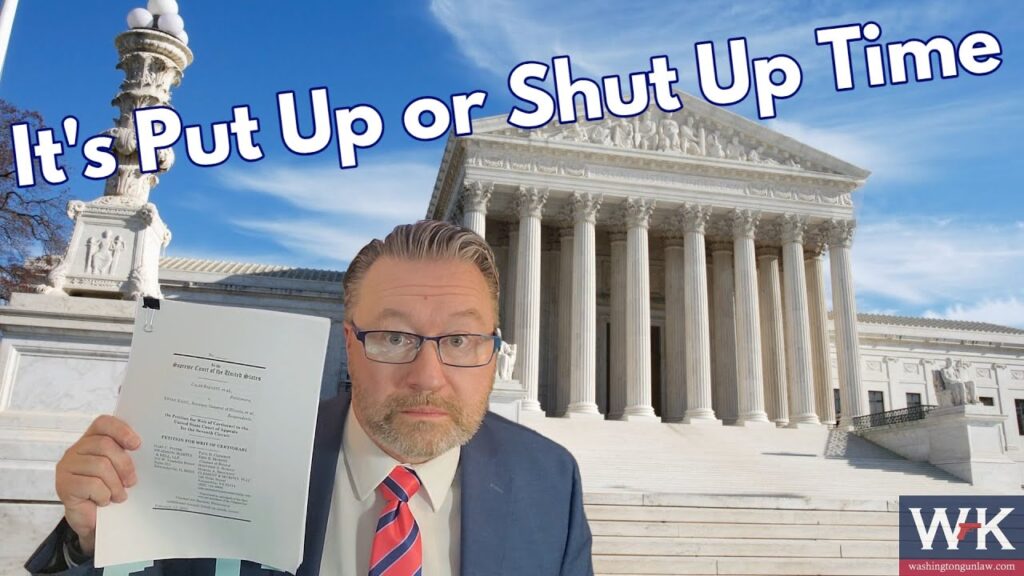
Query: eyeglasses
(459, 350)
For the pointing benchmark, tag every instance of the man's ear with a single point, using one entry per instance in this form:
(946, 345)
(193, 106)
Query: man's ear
(350, 335)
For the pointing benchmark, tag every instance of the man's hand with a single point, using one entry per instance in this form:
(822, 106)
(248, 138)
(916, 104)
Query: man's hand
(96, 471)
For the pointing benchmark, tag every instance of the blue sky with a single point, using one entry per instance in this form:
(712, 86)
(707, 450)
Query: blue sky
(941, 220)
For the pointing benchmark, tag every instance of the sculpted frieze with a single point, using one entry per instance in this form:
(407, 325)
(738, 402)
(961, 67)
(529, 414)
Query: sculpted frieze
(728, 183)
(680, 133)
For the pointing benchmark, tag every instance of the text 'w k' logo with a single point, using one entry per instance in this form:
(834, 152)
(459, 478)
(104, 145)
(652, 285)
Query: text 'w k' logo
(963, 528)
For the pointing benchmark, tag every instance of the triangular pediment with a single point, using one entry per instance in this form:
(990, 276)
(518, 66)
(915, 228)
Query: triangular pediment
(698, 131)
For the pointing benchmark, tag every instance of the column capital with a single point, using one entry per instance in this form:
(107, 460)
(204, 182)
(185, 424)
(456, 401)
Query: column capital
(769, 232)
(695, 217)
(614, 217)
(617, 236)
(476, 195)
(793, 228)
(814, 246)
(672, 235)
(813, 253)
(584, 207)
(719, 228)
(530, 201)
(565, 232)
(638, 212)
(816, 240)
(721, 246)
(672, 227)
(744, 223)
(563, 217)
(767, 252)
(840, 232)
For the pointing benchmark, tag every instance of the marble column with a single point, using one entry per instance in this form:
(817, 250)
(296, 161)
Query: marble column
(475, 196)
(749, 371)
(675, 337)
(814, 270)
(583, 374)
(929, 367)
(552, 399)
(565, 299)
(773, 359)
(511, 284)
(1007, 407)
(723, 331)
(529, 204)
(698, 338)
(893, 367)
(802, 409)
(617, 347)
(500, 247)
(852, 396)
(638, 311)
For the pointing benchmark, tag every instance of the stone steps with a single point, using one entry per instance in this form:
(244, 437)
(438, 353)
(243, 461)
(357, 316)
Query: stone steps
(638, 533)
(764, 547)
(733, 530)
(737, 566)
(697, 459)
(738, 515)
(696, 499)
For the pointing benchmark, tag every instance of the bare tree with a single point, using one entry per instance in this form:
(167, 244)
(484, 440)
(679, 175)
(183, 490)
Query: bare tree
(34, 227)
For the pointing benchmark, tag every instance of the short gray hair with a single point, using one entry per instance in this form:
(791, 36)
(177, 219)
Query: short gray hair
(424, 240)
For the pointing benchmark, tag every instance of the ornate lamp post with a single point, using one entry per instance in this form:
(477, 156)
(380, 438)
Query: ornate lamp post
(115, 248)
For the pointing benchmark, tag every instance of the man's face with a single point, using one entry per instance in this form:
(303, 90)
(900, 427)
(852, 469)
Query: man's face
(419, 410)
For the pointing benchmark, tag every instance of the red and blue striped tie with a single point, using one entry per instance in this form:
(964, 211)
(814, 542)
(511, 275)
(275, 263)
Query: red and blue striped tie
(397, 547)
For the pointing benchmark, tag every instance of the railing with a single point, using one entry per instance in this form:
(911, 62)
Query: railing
(891, 417)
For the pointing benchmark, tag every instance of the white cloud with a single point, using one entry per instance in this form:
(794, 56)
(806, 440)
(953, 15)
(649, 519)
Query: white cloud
(953, 267)
(903, 145)
(850, 143)
(1006, 311)
(332, 213)
(315, 240)
(606, 37)
(396, 190)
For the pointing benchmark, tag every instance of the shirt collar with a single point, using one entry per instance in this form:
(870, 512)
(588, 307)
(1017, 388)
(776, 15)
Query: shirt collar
(368, 465)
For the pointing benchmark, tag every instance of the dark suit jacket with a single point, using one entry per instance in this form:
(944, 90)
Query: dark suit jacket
(522, 509)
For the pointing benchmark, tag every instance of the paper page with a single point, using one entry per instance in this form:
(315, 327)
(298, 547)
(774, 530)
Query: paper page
(225, 401)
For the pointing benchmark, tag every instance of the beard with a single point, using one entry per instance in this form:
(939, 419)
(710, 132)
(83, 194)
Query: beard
(419, 440)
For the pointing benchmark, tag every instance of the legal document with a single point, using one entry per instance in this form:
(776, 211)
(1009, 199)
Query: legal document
(225, 401)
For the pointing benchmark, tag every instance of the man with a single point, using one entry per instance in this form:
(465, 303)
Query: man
(411, 474)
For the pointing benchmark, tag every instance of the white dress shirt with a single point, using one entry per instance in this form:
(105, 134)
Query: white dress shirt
(356, 505)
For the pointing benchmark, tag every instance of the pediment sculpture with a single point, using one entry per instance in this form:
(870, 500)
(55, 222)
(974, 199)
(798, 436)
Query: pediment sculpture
(683, 133)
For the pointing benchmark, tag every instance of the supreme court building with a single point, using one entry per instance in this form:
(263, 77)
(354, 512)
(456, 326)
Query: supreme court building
(669, 266)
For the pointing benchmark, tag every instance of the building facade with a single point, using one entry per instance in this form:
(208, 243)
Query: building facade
(680, 266)
(729, 222)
